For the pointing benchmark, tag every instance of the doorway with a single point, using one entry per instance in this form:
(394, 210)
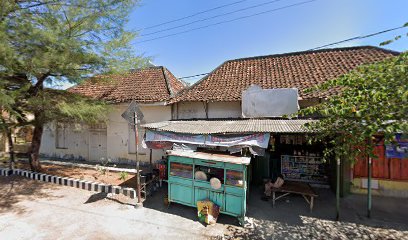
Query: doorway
(97, 145)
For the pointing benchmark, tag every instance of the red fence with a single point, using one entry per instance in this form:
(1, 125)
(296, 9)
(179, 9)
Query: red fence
(384, 168)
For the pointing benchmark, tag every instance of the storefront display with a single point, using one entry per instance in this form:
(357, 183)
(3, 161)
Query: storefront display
(303, 168)
(219, 178)
(298, 160)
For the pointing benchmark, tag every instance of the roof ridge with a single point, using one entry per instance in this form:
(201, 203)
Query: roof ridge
(195, 84)
(369, 54)
(169, 89)
(315, 51)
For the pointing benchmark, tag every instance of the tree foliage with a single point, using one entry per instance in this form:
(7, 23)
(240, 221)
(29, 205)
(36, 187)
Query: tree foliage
(373, 101)
(49, 42)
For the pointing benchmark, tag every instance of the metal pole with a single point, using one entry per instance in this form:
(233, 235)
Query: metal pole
(369, 188)
(150, 157)
(139, 195)
(337, 188)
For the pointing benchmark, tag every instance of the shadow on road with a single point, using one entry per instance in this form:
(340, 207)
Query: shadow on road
(292, 219)
(14, 189)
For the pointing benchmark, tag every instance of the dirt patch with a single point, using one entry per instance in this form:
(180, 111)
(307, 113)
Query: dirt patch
(94, 175)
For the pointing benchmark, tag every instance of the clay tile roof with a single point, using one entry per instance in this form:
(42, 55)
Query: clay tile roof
(291, 70)
(147, 85)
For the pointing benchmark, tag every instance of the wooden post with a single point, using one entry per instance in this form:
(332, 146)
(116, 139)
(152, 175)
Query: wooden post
(139, 195)
(337, 188)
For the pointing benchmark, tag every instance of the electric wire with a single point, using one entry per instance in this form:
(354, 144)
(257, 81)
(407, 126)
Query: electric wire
(210, 18)
(227, 21)
(192, 15)
(331, 44)
(358, 37)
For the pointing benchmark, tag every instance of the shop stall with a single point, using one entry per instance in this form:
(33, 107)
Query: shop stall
(296, 160)
(197, 176)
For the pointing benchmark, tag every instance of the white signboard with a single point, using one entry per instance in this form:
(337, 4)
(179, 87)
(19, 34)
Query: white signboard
(258, 102)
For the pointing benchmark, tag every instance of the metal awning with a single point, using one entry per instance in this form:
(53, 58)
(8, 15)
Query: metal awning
(232, 126)
(211, 156)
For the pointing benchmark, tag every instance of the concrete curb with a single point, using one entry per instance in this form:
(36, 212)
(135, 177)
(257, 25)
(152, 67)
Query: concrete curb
(72, 182)
(5, 172)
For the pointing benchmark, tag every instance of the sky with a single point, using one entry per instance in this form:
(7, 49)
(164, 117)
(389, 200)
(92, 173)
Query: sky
(279, 26)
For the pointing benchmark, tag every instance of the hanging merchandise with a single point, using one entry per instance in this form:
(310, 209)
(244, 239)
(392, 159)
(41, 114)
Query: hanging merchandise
(215, 183)
(200, 175)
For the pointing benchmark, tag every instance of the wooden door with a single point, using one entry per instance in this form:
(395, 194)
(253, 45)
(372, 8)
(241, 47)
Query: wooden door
(97, 145)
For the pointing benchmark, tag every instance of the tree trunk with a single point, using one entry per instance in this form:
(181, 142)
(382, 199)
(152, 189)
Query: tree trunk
(34, 153)
(10, 148)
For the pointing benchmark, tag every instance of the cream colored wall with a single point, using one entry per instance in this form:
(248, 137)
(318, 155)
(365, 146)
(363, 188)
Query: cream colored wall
(381, 187)
(224, 110)
(118, 135)
(190, 110)
(202, 110)
(77, 141)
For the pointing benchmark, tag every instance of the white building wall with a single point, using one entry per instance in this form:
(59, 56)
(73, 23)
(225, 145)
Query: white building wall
(76, 142)
(77, 145)
(224, 110)
(118, 133)
(191, 110)
(202, 110)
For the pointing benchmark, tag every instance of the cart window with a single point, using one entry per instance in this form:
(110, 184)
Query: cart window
(181, 170)
(206, 173)
(235, 178)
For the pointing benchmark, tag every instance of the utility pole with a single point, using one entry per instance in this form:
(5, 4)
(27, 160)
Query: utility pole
(369, 164)
(134, 116)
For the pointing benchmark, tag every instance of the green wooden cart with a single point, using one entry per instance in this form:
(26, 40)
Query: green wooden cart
(189, 180)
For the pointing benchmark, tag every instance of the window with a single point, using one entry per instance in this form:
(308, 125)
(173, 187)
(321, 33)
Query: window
(235, 178)
(181, 170)
(131, 142)
(23, 135)
(60, 136)
(97, 126)
(204, 173)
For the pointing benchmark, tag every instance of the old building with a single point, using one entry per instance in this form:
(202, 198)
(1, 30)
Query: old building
(218, 95)
(150, 87)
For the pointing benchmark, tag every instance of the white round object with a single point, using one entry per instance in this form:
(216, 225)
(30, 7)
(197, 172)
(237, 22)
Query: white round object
(200, 175)
(215, 183)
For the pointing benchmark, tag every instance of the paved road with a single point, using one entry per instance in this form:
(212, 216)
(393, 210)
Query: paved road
(34, 210)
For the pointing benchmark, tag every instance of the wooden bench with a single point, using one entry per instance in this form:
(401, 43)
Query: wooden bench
(300, 188)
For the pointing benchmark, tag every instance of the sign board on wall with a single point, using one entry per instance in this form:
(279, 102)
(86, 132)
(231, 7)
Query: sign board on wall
(399, 149)
(258, 102)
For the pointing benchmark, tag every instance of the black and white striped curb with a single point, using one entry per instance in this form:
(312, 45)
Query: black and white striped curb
(77, 183)
(5, 172)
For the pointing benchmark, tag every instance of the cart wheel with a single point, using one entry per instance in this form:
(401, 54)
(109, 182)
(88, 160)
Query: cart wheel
(241, 221)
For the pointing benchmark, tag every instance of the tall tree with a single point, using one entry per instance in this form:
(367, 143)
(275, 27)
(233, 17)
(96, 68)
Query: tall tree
(55, 41)
(373, 103)
(373, 100)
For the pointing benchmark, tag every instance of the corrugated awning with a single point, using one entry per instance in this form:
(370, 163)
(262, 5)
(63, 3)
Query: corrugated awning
(211, 156)
(232, 126)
